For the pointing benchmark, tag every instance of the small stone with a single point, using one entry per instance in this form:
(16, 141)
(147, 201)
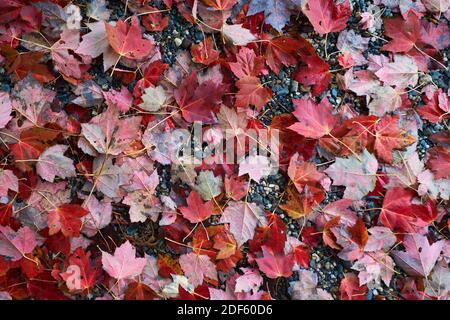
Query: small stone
(178, 42)
(294, 86)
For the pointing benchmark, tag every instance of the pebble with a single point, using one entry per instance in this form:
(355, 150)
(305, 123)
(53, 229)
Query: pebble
(178, 42)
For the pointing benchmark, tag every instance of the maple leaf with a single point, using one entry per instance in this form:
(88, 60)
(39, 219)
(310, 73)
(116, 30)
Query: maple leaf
(357, 174)
(143, 204)
(197, 267)
(306, 287)
(404, 173)
(198, 101)
(19, 64)
(250, 281)
(139, 291)
(275, 265)
(8, 181)
(380, 238)
(122, 99)
(89, 94)
(67, 219)
(220, 5)
(374, 267)
(299, 205)
(52, 163)
(243, 218)
(247, 64)
(97, 10)
(439, 285)
(436, 36)
(358, 233)
(32, 101)
(110, 135)
(277, 12)
(123, 264)
(68, 64)
(315, 73)
(384, 99)
(16, 245)
(403, 32)
(95, 43)
(401, 73)
(31, 144)
(5, 109)
(439, 162)
(204, 52)
(81, 274)
(314, 120)
(419, 256)
(100, 215)
(433, 187)
(436, 108)
(388, 136)
(437, 6)
(400, 214)
(225, 243)
(304, 174)
(237, 35)
(109, 177)
(285, 50)
(252, 92)
(256, 166)
(153, 99)
(350, 289)
(128, 41)
(326, 16)
(196, 211)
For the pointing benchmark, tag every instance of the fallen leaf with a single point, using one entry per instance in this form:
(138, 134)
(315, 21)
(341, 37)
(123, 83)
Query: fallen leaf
(314, 120)
(67, 219)
(357, 175)
(243, 218)
(123, 264)
(196, 211)
(127, 40)
(52, 163)
(16, 245)
(326, 16)
(419, 256)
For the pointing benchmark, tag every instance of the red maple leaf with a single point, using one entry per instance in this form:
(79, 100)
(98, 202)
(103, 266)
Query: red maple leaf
(284, 50)
(358, 233)
(204, 52)
(199, 102)
(315, 73)
(275, 265)
(404, 33)
(128, 41)
(252, 92)
(439, 162)
(67, 218)
(196, 210)
(350, 289)
(314, 120)
(247, 64)
(326, 16)
(388, 136)
(81, 271)
(31, 144)
(139, 291)
(401, 215)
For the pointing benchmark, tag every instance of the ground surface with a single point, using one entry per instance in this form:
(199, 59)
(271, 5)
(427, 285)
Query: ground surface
(99, 204)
